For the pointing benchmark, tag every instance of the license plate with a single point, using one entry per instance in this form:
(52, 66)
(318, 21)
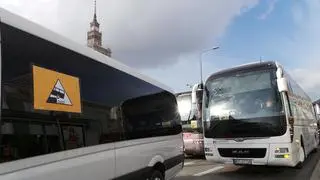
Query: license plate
(242, 161)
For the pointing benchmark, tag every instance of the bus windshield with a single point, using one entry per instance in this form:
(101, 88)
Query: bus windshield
(190, 124)
(243, 104)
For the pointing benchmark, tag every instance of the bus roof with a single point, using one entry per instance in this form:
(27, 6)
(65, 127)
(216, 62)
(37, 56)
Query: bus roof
(247, 66)
(44, 33)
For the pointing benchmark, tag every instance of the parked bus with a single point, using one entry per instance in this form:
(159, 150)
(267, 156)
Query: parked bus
(69, 112)
(191, 124)
(317, 111)
(256, 114)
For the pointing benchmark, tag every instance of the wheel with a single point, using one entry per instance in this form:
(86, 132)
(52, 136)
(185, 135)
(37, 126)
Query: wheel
(302, 157)
(315, 150)
(156, 175)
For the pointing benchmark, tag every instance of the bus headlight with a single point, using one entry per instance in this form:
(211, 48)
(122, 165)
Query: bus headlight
(281, 150)
(285, 156)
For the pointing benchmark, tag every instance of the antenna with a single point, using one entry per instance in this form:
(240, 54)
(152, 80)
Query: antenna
(95, 9)
(95, 6)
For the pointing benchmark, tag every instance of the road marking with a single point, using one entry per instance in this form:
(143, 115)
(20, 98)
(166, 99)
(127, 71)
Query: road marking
(209, 171)
(189, 163)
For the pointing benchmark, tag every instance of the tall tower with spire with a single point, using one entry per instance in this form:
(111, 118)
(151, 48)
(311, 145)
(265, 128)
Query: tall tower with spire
(94, 35)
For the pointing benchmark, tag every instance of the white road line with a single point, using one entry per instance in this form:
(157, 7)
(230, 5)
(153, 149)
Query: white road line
(189, 163)
(209, 171)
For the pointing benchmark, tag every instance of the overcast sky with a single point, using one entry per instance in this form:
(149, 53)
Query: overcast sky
(163, 38)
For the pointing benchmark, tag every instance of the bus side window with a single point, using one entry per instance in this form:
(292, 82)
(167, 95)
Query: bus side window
(293, 109)
(160, 119)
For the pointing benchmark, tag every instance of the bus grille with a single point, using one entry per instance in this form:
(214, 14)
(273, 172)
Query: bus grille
(243, 152)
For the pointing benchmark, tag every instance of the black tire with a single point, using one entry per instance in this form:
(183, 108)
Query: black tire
(299, 165)
(156, 175)
(315, 150)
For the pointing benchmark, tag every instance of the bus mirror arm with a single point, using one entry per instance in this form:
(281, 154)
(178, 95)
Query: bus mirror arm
(291, 120)
(291, 128)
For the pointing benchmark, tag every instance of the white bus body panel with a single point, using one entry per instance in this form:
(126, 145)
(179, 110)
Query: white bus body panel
(137, 154)
(78, 164)
(270, 144)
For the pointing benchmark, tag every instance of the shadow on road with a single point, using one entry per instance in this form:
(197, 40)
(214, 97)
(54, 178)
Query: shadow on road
(194, 157)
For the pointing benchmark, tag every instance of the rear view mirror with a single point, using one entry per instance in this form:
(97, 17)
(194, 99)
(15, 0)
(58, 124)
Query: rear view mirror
(317, 109)
(194, 94)
(197, 92)
(199, 95)
(282, 84)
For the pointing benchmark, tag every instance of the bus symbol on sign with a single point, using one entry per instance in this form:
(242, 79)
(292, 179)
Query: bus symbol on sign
(59, 95)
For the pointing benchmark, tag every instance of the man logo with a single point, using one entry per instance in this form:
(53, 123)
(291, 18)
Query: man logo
(240, 152)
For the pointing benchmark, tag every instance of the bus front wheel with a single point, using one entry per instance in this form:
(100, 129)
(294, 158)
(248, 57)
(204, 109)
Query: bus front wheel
(156, 175)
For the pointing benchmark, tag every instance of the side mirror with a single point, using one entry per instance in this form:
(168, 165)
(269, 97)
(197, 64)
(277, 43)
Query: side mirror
(317, 109)
(193, 96)
(282, 84)
(196, 92)
(199, 95)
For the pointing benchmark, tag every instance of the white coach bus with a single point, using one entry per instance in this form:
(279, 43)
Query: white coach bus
(71, 113)
(255, 114)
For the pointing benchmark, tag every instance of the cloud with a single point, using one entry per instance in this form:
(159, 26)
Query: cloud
(303, 49)
(309, 80)
(271, 5)
(40, 11)
(141, 33)
(187, 70)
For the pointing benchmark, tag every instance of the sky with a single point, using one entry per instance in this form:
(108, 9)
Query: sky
(165, 39)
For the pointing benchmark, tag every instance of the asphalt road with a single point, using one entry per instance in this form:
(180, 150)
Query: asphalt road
(202, 169)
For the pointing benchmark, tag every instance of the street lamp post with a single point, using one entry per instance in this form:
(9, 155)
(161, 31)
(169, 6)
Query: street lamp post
(201, 53)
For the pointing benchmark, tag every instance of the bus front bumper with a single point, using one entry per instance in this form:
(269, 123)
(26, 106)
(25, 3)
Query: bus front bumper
(275, 154)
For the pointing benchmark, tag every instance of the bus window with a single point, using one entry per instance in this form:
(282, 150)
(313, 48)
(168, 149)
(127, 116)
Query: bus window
(158, 120)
